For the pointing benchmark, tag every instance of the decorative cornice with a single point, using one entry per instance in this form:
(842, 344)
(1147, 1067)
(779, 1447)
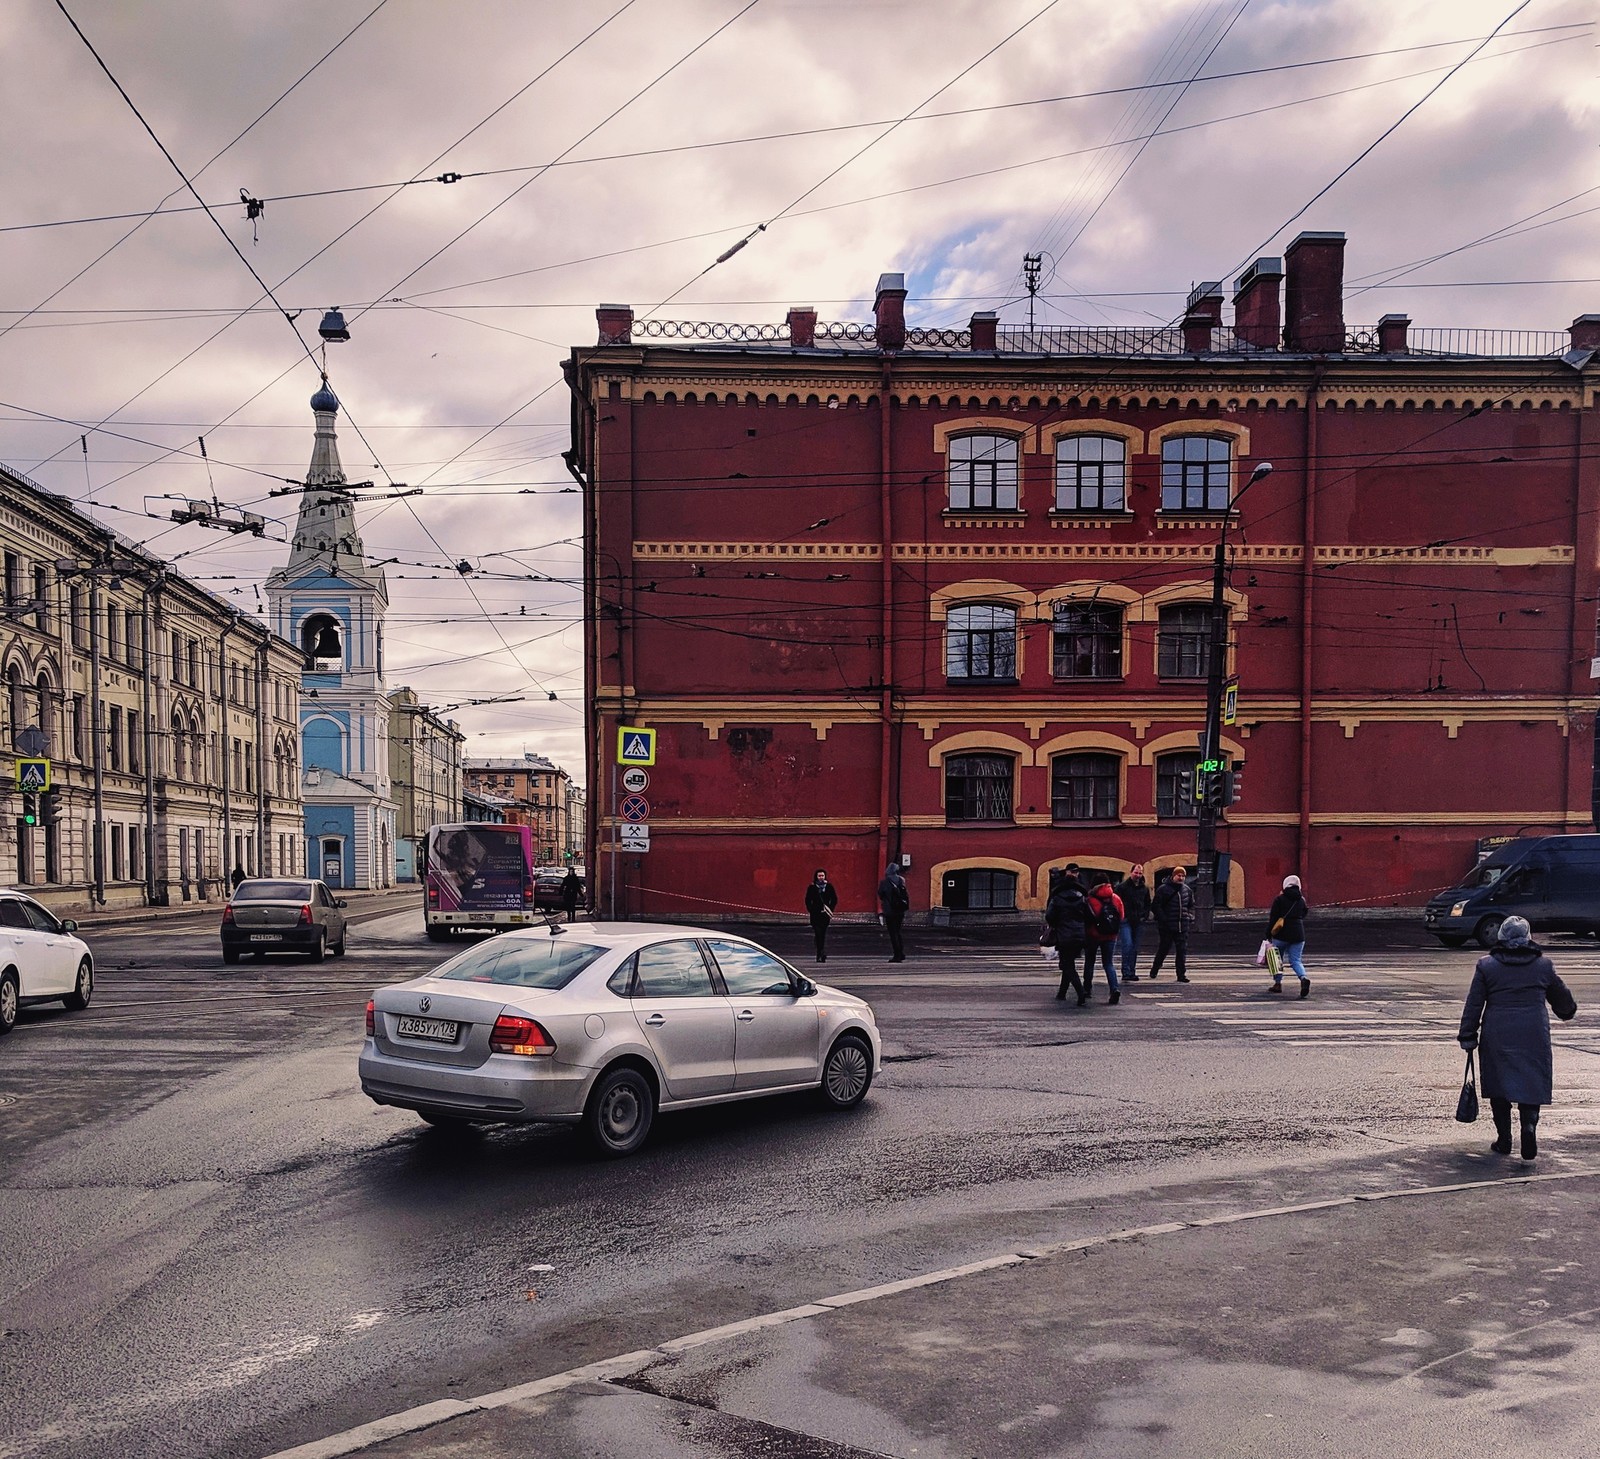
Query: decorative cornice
(793, 551)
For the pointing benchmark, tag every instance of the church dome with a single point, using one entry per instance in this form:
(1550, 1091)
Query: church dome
(324, 399)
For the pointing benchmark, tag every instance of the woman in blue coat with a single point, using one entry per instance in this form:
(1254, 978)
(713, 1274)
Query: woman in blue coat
(1505, 1020)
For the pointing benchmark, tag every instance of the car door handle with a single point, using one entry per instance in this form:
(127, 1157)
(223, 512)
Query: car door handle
(744, 1016)
(654, 1021)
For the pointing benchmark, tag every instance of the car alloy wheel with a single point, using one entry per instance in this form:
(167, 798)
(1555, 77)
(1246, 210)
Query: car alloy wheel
(847, 1073)
(1489, 932)
(10, 1001)
(620, 1113)
(83, 990)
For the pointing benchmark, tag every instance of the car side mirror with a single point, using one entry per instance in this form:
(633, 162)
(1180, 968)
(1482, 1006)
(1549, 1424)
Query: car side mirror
(341, 904)
(69, 925)
(803, 988)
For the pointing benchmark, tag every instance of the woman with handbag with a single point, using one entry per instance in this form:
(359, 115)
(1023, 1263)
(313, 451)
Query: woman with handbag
(1286, 935)
(1505, 1019)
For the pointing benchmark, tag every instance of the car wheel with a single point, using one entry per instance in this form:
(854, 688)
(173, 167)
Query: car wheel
(10, 1001)
(230, 954)
(619, 1114)
(1452, 941)
(1488, 932)
(846, 1073)
(338, 951)
(83, 990)
(318, 949)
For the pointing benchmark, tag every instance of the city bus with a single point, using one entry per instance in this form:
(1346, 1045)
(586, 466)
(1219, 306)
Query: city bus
(478, 876)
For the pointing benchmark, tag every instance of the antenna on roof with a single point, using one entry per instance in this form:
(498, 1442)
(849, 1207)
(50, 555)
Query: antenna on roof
(1032, 267)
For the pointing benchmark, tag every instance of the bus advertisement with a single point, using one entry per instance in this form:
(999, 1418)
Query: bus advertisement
(478, 875)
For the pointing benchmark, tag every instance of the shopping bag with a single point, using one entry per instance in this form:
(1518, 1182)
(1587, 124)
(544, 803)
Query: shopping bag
(1274, 962)
(1262, 952)
(1467, 1100)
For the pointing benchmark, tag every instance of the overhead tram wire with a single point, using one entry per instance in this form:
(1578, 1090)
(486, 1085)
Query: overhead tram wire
(154, 212)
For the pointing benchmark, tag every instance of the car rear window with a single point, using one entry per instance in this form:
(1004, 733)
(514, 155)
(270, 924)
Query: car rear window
(273, 891)
(536, 963)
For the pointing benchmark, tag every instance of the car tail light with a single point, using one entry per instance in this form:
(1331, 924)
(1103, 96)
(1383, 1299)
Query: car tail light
(519, 1036)
(433, 896)
(305, 915)
(372, 1019)
(527, 892)
(227, 915)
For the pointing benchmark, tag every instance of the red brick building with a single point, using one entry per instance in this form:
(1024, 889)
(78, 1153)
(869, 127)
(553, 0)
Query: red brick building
(941, 594)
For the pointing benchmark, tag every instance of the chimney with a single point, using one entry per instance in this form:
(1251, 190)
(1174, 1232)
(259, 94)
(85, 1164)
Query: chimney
(1586, 332)
(889, 309)
(1392, 334)
(986, 331)
(802, 328)
(1204, 315)
(1314, 293)
(616, 323)
(1257, 308)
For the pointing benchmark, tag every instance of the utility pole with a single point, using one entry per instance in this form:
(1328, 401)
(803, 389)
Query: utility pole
(1207, 778)
(1032, 267)
(98, 849)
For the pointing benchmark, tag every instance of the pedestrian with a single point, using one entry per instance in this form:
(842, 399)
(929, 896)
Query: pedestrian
(1505, 1020)
(894, 898)
(236, 877)
(571, 892)
(1135, 898)
(1066, 918)
(1173, 906)
(821, 899)
(1104, 927)
(1286, 931)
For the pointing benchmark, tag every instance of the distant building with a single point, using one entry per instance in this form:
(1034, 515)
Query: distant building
(168, 717)
(536, 790)
(424, 776)
(331, 602)
(577, 821)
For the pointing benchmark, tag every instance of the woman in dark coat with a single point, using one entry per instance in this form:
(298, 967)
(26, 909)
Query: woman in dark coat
(1066, 914)
(1506, 1021)
(1286, 931)
(821, 901)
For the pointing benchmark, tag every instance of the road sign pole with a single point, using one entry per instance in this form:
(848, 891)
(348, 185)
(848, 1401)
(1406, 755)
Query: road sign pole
(616, 842)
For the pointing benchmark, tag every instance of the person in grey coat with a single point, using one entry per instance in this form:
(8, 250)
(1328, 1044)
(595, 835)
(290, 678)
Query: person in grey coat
(1505, 1020)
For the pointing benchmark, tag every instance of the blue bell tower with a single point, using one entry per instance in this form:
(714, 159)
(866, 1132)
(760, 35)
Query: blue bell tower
(328, 599)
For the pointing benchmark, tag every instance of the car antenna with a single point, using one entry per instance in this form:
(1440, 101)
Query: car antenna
(556, 929)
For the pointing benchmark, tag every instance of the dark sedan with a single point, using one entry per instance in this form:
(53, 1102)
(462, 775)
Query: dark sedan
(282, 914)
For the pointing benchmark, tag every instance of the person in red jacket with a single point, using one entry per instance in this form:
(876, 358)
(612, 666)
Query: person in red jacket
(1105, 918)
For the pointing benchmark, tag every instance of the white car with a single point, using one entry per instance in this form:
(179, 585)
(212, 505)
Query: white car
(40, 959)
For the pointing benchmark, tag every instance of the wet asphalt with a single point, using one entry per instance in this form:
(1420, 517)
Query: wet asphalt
(212, 1244)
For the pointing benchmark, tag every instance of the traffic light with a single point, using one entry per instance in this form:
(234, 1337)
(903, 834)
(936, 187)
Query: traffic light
(50, 806)
(1188, 783)
(1211, 790)
(30, 808)
(1233, 786)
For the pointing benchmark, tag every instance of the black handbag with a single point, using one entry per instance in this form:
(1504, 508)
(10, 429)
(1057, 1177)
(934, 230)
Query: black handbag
(1047, 938)
(1467, 1102)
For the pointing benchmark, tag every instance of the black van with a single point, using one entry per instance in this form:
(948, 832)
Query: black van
(1553, 881)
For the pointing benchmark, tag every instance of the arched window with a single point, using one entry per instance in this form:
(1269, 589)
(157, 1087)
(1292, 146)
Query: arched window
(1086, 640)
(1183, 641)
(1195, 473)
(47, 712)
(17, 704)
(1085, 787)
(1175, 778)
(178, 757)
(322, 640)
(977, 787)
(983, 474)
(1091, 474)
(980, 889)
(980, 642)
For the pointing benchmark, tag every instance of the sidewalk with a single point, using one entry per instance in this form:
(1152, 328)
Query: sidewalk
(1426, 1303)
(132, 916)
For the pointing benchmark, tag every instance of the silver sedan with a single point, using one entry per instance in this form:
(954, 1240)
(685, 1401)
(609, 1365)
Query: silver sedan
(602, 1024)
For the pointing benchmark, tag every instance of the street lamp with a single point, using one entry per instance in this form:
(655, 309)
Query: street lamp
(1205, 888)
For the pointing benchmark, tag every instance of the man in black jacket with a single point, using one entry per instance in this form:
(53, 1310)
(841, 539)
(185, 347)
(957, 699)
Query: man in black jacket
(1135, 896)
(1174, 911)
(821, 899)
(894, 897)
(1066, 914)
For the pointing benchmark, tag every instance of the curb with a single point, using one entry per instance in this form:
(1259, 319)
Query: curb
(428, 1415)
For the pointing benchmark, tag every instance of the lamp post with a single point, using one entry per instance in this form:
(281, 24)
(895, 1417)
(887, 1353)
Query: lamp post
(1205, 889)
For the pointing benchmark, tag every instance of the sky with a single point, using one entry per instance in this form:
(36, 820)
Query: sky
(627, 144)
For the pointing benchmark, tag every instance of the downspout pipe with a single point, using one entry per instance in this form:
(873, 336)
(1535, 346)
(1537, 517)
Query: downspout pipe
(885, 616)
(1308, 604)
(222, 744)
(147, 640)
(261, 759)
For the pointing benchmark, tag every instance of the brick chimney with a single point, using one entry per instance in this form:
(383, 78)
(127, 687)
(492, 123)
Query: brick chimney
(1392, 334)
(986, 331)
(1257, 307)
(1586, 332)
(889, 309)
(616, 323)
(1314, 293)
(1204, 314)
(802, 328)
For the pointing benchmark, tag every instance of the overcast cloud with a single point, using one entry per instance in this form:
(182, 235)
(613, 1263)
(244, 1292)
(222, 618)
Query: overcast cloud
(483, 326)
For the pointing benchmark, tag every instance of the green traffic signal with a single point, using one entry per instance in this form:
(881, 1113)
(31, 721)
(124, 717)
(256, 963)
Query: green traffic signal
(30, 809)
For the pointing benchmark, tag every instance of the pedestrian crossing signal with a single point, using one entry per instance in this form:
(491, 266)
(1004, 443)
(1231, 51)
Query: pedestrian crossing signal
(635, 745)
(30, 809)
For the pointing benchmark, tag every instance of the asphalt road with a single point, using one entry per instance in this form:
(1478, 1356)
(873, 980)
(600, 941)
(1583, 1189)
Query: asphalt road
(212, 1244)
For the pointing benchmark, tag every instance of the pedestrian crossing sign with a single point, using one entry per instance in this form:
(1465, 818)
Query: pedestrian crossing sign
(33, 776)
(635, 745)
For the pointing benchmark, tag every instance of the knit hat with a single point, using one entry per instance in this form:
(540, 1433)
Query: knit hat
(1515, 932)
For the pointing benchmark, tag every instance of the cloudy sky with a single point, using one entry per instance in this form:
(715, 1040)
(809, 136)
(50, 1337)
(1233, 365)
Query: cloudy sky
(629, 142)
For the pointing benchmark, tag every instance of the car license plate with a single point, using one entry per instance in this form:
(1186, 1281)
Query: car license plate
(266, 937)
(435, 1030)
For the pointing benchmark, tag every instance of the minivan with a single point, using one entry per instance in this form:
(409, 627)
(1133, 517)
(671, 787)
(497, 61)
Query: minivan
(1553, 881)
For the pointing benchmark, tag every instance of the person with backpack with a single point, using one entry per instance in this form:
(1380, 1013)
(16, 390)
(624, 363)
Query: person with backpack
(1104, 926)
(1286, 931)
(1066, 929)
(1135, 898)
(1173, 906)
